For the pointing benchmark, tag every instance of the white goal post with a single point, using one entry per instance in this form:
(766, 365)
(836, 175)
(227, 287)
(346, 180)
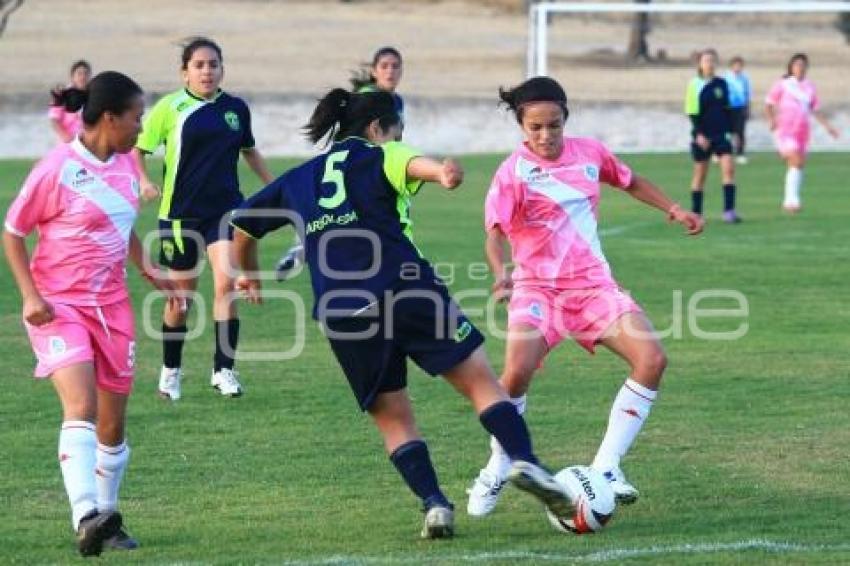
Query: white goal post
(538, 17)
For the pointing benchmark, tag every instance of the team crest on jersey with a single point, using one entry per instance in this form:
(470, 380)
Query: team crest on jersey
(591, 172)
(56, 346)
(168, 249)
(718, 92)
(535, 311)
(232, 120)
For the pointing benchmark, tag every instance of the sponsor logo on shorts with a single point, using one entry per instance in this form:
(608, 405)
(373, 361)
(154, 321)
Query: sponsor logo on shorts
(591, 172)
(463, 331)
(168, 249)
(232, 120)
(131, 355)
(56, 345)
(535, 310)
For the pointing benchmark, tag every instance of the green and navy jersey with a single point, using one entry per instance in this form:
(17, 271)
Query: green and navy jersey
(203, 139)
(707, 104)
(354, 202)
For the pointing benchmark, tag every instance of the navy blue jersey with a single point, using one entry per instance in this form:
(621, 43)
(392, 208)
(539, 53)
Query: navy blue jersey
(203, 139)
(398, 101)
(354, 202)
(707, 104)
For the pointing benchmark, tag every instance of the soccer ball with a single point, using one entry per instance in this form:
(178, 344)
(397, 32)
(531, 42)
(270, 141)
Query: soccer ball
(593, 498)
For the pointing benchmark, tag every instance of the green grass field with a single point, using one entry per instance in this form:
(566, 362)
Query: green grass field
(744, 459)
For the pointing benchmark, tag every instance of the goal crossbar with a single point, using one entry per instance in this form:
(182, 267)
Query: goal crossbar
(538, 17)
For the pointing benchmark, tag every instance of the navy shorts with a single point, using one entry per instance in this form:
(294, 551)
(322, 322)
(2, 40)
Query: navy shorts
(718, 146)
(182, 242)
(373, 346)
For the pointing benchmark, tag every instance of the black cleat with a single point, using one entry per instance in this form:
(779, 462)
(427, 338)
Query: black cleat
(94, 529)
(121, 541)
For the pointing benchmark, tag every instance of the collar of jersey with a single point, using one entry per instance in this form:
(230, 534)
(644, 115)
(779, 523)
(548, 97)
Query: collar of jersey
(218, 93)
(81, 150)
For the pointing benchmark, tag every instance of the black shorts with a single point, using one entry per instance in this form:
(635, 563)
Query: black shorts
(373, 346)
(182, 242)
(718, 146)
(739, 119)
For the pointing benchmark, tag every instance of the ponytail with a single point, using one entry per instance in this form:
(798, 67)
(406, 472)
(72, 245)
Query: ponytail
(71, 98)
(341, 114)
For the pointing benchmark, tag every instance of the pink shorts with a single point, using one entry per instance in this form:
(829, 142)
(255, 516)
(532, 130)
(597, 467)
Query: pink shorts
(103, 335)
(581, 314)
(791, 142)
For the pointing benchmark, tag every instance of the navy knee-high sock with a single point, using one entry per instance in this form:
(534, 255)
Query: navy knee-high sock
(728, 197)
(173, 338)
(696, 202)
(504, 422)
(413, 462)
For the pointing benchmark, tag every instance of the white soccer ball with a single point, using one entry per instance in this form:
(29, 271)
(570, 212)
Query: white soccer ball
(593, 499)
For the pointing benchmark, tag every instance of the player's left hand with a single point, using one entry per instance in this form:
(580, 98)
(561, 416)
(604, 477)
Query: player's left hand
(162, 282)
(250, 289)
(451, 174)
(692, 222)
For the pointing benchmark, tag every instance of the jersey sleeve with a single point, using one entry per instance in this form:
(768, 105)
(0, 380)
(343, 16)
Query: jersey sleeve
(247, 133)
(396, 158)
(154, 129)
(37, 202)
(613, 171)
(501, 203)
(263, 212)
(774, 95)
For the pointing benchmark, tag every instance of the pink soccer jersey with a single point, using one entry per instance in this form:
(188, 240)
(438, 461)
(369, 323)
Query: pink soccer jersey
(794, 101)
(549, 210)
(71, 122)
(83, 210)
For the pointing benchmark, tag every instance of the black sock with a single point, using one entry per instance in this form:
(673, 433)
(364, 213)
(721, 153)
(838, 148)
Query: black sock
(413, 462)
(696, 201)
(504, 422)
(729, 197)
(225, 330)
(173, 338)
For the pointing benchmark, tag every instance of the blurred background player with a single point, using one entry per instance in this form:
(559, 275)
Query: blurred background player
(544, 201)
(396, 307)
(790, 103)
(204, 130)
(740, 96)
(82, 199)
(383, 74)
(65, 123)
(707, 105)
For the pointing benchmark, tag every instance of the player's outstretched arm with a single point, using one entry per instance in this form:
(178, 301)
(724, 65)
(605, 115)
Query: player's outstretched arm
(244, 258)
(149, 190)
(822, 120)
(447, 172)
(646, 191)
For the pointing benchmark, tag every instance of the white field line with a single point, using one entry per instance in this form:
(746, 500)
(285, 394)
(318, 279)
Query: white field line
(599, 556)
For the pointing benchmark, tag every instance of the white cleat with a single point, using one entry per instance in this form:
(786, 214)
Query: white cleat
(439, 523)
(227, 382)
(484, 494)
(542, 485)
(169, 383)
(624, 492)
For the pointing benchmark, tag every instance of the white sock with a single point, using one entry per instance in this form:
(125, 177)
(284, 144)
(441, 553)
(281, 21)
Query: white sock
(630, 409)
(793, 183)
(499, 463)
(111, 463)
(77, 457)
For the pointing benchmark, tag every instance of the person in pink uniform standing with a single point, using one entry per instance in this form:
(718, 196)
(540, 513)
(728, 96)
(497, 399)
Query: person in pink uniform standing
(82, 199)
(543, 202)
(790, 103)
(67, 123)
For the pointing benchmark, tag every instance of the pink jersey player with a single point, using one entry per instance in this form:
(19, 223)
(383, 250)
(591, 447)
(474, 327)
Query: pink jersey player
(69, 123)
(791, 103)
(82, 200)
(544, 203)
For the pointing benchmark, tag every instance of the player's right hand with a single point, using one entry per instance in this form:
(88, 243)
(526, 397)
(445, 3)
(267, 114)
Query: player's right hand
(703, 142)
(37, 311)
(149, 191)
(502, 288)
(250, 289)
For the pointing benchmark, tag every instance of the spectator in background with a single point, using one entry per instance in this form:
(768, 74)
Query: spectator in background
(740, 94)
